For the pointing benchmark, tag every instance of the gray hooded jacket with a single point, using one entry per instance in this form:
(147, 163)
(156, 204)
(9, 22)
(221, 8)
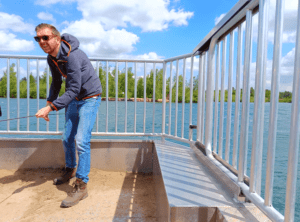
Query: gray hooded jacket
(73, 64)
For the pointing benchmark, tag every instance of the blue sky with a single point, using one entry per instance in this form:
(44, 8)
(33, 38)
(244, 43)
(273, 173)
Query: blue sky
(166, 28)
(148, 29)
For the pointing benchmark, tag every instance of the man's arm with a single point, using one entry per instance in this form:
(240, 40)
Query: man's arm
(55, 84)
(54, 91)
(73, 82)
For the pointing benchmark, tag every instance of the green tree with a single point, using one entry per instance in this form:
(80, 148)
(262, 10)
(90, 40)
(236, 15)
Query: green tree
(111, 84)
(268, 95)
(159, 84)
(149, 85)
(180, 87)
(3, 84)
(102, 77)
(12, 80)
(23, 88)
(32, 85)
(140, 88)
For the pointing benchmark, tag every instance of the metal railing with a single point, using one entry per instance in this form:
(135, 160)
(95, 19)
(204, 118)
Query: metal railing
(211, 68)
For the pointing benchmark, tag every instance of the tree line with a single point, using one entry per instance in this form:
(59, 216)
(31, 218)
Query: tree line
(283, 96)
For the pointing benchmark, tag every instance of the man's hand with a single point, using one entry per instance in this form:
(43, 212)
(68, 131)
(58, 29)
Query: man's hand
(43, 113)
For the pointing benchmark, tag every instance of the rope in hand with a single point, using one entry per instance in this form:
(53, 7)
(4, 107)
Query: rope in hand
(30, 116)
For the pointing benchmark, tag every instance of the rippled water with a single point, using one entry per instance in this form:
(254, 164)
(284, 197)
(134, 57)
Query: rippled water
(282, 142)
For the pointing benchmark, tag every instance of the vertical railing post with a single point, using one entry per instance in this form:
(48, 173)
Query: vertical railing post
(191, 91)
(258, 114)
(294, 134)
(170, 98)
(221, 127)
(106, 124)
(183, 98)
(145, 98)
(116, 96)
(135, 89)
(203, 96)
(97, 117)
(18, 94)
(38, 92)
(237, 98)
(199, 109)
(126, 89)
(8, 92)
(164, 102)
(229, 98)
(28, 92)
(215, 145)
(153, 96)
(209, 98)
(276, 70)
(176, 99)
(246, 97)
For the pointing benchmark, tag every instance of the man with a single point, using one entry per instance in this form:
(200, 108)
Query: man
(81, 100)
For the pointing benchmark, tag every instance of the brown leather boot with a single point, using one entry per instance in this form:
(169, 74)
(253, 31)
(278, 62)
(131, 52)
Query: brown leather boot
(79, 193)
(67, 175)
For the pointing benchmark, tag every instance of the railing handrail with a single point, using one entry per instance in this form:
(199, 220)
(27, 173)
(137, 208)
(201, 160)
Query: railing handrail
(5, 56)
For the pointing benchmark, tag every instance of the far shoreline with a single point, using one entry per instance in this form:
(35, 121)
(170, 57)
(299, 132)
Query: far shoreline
(141, 100)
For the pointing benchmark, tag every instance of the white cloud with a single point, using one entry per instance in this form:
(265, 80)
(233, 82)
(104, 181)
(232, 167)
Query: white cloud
(96, 41)
(286, 74)
(10, 43)
(150, 55)
(46, 16)
(34, 71)
(14, 23)
(140, 66)
(218, 19)
(289, 22)
(149, 15)
(51, 2)
(42, 64)
(102, 28)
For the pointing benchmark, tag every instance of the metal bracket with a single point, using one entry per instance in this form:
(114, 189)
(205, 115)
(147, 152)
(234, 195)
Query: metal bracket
(191, 127)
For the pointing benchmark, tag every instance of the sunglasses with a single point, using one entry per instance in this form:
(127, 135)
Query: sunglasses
(44, 37)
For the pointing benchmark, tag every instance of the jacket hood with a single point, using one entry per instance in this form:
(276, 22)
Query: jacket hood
(69, 43)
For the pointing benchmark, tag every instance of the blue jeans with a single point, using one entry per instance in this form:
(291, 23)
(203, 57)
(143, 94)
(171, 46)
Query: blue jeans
(80, 120)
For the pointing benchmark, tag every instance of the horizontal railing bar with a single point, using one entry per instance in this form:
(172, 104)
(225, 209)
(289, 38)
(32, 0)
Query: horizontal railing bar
(180, 57)
(237, 19)
(4, 56)
(271, 212)
(178, 139)
(128, 60)
(91, 58)
(230, 167)
(93, 133)
(236, 8)
(258, 201)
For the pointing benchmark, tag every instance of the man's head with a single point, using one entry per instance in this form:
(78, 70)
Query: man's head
(48, 38)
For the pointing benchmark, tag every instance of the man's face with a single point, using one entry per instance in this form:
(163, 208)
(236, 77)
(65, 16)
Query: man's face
(51, 44)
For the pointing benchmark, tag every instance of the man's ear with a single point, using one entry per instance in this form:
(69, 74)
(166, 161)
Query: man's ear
(58, 39)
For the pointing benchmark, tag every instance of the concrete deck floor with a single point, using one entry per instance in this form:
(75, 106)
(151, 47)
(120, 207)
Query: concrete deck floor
(29, 196)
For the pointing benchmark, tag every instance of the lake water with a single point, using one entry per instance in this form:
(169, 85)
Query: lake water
(282, 142)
